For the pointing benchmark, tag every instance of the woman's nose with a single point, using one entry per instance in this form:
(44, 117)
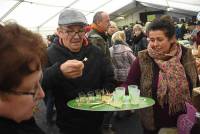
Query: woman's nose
(154, 44)
(41, 93)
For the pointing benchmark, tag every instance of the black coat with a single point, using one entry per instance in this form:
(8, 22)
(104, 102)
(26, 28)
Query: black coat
(139, 43)
(97, 74)
(8, 126)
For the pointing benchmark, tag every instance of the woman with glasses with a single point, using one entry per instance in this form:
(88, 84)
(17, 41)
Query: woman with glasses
(22, 55)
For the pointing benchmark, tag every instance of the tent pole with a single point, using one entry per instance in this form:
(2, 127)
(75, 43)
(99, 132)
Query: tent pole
(58, 13)
(11, 9)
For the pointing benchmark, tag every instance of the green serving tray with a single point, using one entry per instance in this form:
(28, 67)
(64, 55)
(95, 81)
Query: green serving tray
(144, 102)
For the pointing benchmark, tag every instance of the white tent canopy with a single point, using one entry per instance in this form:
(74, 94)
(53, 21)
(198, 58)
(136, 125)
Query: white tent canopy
(188, 5)
(43, 14)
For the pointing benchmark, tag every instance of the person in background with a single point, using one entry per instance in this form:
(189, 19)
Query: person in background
(111, 30)
(75, 67)
(139, 39)
(121, 56)
(87, 30)
(166, 72)
(128, 33)
(49, 98)
(194, 34)
(146, 26)
(183, 31)
(197, 38)
(49, 39)
(97, 36)
(22, 54)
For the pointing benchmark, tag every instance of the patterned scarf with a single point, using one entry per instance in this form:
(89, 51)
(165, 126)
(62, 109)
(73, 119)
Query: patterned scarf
(173, 88)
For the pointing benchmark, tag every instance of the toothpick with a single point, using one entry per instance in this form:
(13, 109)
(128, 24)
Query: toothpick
(85, 59)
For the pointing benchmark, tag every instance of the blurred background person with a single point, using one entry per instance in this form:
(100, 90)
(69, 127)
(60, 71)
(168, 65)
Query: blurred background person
(97, 36)
(111, 30)
(139, 39)
(128, 33)
(194, 34)
(146, 26)
(52, 39)
(49, 98)
(22, 55)
(121, 56)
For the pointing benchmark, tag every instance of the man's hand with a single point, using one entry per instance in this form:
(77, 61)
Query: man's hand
(72, 68)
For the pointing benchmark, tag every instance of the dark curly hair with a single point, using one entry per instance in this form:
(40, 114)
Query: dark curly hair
(164, 24)
(22, 52)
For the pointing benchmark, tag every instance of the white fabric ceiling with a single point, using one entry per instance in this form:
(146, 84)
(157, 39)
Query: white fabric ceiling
(188, 5)
(43, 14)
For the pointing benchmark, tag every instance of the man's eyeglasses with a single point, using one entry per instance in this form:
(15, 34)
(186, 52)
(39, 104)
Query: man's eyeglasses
(34, 94)
(81, 32)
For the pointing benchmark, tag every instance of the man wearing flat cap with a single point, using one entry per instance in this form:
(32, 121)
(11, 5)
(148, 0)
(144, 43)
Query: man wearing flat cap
(67, 75)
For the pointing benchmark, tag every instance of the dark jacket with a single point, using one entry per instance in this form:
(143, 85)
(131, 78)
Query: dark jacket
(97, 74)
(100, 40)
(139, 43)
(8, 126)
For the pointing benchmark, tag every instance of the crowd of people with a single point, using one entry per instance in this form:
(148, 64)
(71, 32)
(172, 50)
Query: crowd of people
(79, 61)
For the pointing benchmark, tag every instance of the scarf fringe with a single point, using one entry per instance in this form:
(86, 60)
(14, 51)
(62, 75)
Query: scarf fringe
(174, 108)
(162, 100)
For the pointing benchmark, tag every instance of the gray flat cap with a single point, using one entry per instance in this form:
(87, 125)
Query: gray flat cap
(69, 17)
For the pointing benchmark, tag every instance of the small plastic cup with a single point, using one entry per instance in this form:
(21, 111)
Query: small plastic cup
(82, 97)
(120, 92)
(132, 86)
(119, 95)
(134, 96)
(98, 95)
(91, 97)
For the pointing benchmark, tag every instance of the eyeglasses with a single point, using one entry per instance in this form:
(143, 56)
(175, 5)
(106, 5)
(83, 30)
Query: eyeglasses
(34, 94)
(81, 32)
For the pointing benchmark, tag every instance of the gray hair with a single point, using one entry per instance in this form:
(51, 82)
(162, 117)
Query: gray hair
(97, 17)
(138, 26)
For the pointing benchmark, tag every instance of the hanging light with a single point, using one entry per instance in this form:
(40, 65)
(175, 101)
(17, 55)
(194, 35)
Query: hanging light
(170, 9)
(120, 18)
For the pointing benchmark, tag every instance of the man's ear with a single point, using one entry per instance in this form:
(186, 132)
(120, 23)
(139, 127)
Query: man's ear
(98, 22)
(59, 32)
